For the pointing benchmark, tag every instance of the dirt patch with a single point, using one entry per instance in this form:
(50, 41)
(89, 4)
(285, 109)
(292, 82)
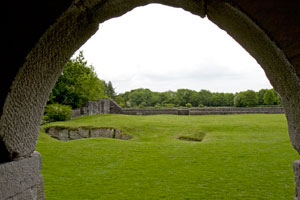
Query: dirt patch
(194, 137)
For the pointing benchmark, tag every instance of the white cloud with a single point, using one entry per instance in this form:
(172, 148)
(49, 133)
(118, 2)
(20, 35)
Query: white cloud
(162, 48)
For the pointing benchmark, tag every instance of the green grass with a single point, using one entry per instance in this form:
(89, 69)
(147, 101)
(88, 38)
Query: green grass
(241, 157)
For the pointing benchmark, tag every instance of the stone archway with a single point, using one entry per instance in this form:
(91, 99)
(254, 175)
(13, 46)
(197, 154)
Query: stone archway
(26, 92)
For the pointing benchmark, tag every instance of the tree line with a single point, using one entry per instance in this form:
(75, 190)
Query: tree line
(190, 98)
(79, 83)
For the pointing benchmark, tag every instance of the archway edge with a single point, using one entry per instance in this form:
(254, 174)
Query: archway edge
(80, 22)
(30, 89)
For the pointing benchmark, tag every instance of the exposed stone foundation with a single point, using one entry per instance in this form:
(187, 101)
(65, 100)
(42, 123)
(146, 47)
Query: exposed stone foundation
(64, 133)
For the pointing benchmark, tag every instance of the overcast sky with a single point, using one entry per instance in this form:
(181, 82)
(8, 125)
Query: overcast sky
(164, 48)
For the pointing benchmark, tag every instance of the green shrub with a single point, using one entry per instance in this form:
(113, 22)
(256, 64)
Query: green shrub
(57, 112)
(246, 99)
(169, 105)
(200, 105)
(188, 105)
(157, 105)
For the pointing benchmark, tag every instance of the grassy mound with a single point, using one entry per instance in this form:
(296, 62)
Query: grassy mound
(241, 157)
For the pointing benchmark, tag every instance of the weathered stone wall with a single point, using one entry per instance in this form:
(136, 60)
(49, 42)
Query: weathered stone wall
(205, 111)
(65, 134)
(133, 111)
(102, 106)
(234, 110)
(115, 108)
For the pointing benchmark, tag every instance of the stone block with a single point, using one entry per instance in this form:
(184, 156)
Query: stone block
(118, 134)
(95, 133)
(102, 132)
(75, 113)
(296, 167)
(74, 135)
(40, 189)
(62, 134)
(21, 179)
(108, 133)
(79, 133)
(52, 131)
(34, 193)
(84, 133)
(125, 137)
(29, 194)
(183, 112)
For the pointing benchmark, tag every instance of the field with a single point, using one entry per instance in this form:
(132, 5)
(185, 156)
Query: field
(241, 157)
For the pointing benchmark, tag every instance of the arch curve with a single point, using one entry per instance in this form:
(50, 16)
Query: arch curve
(24, 103)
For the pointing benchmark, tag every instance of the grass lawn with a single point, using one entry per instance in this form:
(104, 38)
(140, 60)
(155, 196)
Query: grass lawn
(242, 157)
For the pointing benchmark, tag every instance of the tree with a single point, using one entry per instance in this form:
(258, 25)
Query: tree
(260, 96)
(238, 102)
(277, 97)
(218, 99)
(77, 84)
(136, 97)
(246, 99)
(250, 98)
(205, 97)
(228, 99)
(155, 96)
(194, 98)
(167, 97)
(109, 90)
(269, 98)
(93, 88)
(183, 96)
(120, 101)
(142, 98)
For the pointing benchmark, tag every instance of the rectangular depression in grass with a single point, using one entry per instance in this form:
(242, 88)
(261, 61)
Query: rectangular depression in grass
(240, 157)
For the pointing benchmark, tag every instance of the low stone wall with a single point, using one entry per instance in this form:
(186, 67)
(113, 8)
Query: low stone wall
(205, 111)
(132, 111)
(63, 133)
(104, 106)
(235, 110)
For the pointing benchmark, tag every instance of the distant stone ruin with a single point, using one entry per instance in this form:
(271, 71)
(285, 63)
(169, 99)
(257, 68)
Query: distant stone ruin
(102, 106)
(65, 133)
(105, 106)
